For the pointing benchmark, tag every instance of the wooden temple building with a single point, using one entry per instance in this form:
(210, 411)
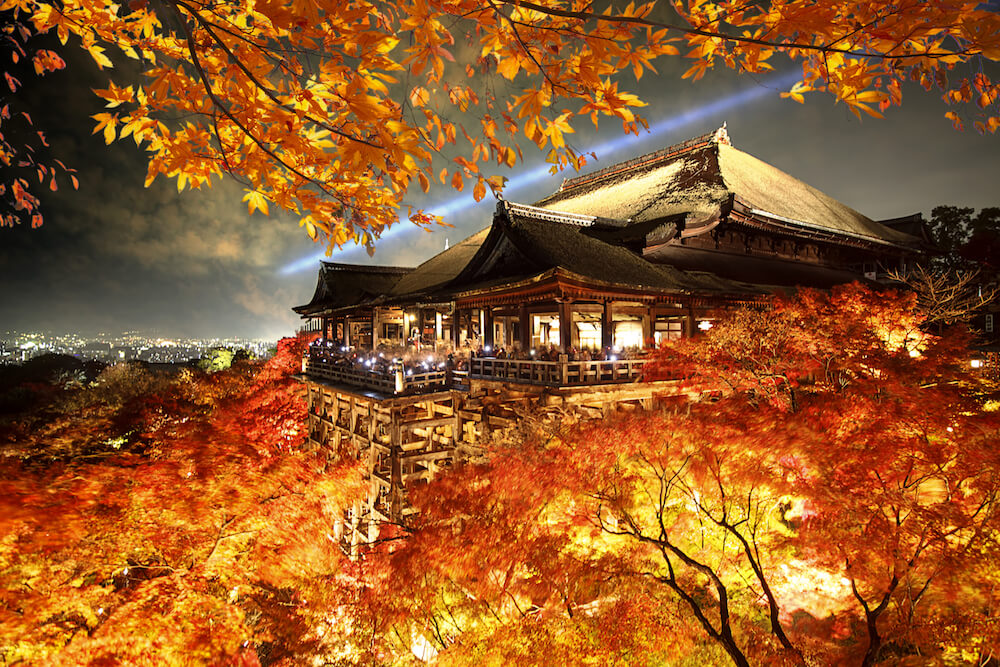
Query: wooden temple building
(552, 305)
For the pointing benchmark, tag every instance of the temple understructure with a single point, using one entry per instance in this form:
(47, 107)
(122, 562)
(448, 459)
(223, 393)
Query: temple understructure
(553, 306)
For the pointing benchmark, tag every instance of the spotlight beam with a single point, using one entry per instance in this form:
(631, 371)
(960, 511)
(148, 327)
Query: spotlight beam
(534, 174)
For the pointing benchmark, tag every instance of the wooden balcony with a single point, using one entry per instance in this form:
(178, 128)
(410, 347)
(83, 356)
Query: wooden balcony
(332, 367)
(563, 373)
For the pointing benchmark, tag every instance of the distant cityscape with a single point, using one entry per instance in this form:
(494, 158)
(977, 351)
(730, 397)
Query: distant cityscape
(18, 347)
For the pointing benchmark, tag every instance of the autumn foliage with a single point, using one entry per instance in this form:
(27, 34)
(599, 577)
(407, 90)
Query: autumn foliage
(333, 110)
(829, 500)
(823, 491)
(24, 146)
(191, 532)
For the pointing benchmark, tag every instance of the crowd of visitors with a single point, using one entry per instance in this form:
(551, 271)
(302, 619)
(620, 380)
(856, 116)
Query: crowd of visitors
(388, 359)
(385, 360)
(552, 353)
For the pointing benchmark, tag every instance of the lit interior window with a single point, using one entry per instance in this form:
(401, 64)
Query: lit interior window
(628, 334)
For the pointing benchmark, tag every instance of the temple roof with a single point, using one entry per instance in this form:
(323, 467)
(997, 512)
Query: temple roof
(526, 241)
(702, 178)
(626, 226)
(344, 285)
(440, 268)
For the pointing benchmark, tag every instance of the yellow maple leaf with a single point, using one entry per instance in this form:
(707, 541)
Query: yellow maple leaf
(97, 53)
(256, 201)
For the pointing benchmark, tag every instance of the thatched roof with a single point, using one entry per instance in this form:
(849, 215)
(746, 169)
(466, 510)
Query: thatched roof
(700, 178)
(440, 268)
(345, 285)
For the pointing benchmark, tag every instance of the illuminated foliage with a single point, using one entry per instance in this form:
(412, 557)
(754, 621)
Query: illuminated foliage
(830, 500)
(332, 110)
(824, 493)
(203, 537)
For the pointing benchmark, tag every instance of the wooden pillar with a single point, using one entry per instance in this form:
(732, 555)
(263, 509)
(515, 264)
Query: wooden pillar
(376, 334)
(347, 331)
(607, 332)
(438, 329)
(456, 327)
(565, 325)
(525, 325)
(323, 335)
(429, 321)
(395, 462)
(689, 323)
(488, 327)
(371, 328)
(647, 328)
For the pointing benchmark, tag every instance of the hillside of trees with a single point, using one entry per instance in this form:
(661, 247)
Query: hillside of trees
(825, 493)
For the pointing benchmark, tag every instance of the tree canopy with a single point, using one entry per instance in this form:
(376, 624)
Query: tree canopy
(332, 110)
(831, 500)
(166, 520)
(823, 492)
(967, 240)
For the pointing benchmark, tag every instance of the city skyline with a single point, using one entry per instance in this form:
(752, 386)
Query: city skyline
(18, 347)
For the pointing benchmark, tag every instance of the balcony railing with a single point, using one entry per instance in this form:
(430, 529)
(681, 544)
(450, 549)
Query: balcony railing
(561, 373)
(335, 368)
(397, 379)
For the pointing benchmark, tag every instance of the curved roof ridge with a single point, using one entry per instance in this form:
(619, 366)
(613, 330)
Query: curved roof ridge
(648, 159)
(364, 268)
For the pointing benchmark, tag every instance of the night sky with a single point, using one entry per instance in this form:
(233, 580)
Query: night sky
(115, 256)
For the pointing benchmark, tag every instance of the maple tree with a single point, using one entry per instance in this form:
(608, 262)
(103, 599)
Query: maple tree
(198, 532)
(832, 500)
(823, 491)
(332, 110)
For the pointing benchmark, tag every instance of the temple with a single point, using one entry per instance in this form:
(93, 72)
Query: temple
(554, 304)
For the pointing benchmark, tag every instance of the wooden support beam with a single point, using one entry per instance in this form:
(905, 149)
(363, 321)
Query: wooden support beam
(396, 490)
(647, 327)
(524, 325)
(607, 324)
(488, 327)
(565, 325)
(426, 423)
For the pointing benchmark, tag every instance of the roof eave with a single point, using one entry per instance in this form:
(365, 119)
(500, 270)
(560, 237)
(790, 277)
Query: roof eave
(817, 231)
